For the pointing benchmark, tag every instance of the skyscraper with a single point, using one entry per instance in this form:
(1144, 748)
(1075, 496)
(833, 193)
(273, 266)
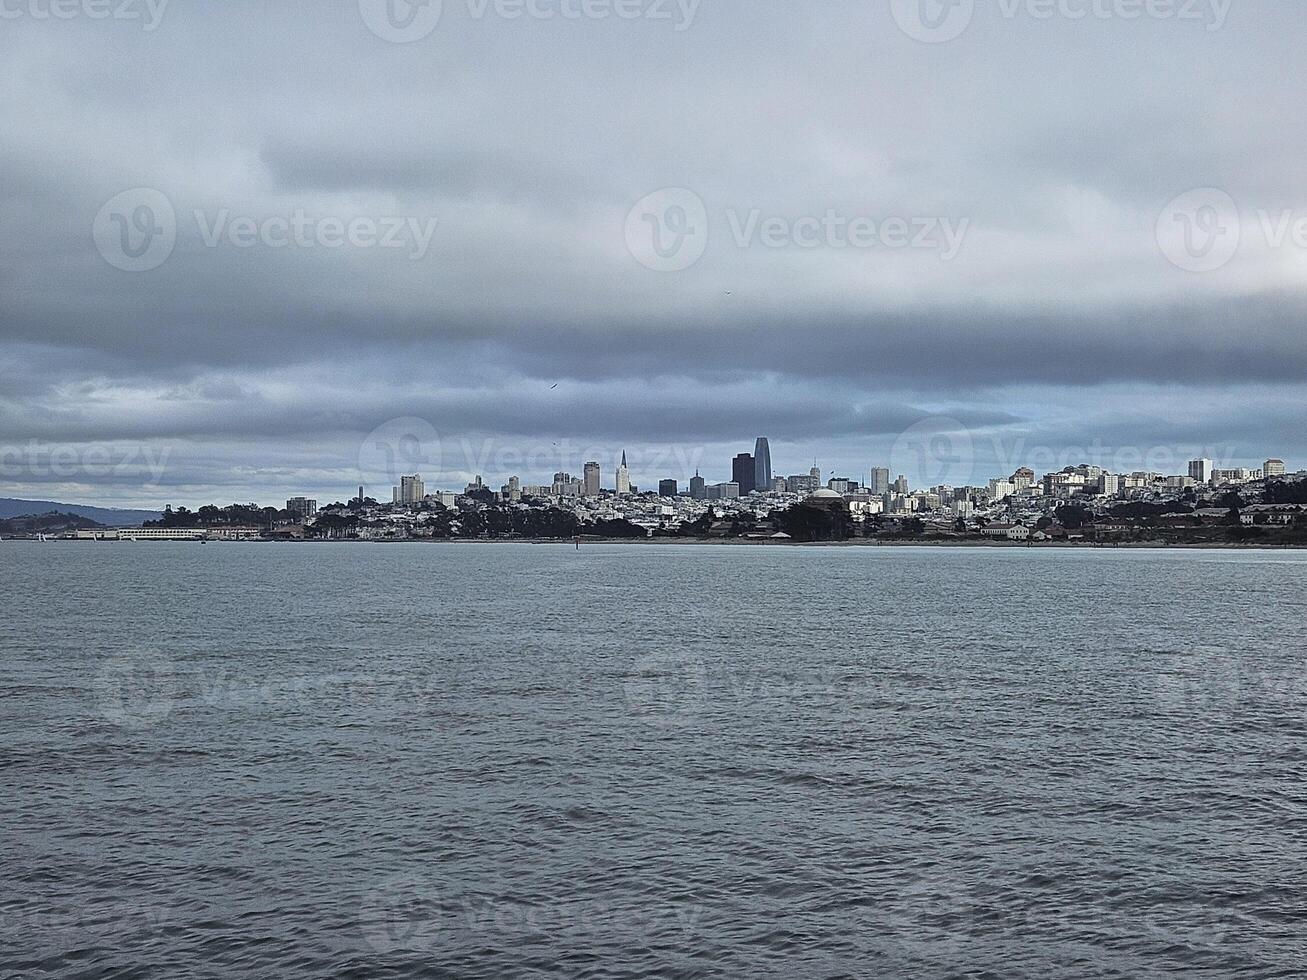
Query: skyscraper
(623, 477)
(593, 479)
(743, 472)
(762, 465)
(879, 480)
(668, 488)
(1201, 470)
(302, 508)
(411, 490)
(1273, 468)
(698, 487)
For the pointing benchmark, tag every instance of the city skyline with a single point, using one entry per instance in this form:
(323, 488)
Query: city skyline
(879, 482)
(650, 466)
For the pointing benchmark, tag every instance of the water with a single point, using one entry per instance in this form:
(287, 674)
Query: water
(650, 761)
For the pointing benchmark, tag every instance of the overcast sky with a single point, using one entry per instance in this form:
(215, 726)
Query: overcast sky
(249, 250)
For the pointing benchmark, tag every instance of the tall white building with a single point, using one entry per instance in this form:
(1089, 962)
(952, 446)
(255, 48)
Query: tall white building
(1001, 489)
(411, 490)
(1273, 468)
(623, 477)
(1200, 470)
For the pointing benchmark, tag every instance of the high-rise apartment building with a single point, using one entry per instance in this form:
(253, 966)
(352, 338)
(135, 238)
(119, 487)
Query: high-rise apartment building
(743, 472)
(411, 490)
(1273, 468)
(302, 508)
(1200, 470)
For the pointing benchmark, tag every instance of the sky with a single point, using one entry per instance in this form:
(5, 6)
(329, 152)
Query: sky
(255, 250)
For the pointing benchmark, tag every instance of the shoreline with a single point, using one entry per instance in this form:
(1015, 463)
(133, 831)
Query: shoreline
(739, 542)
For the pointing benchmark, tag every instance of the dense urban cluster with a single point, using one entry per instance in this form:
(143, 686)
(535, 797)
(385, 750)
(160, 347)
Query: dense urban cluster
(1077, 503)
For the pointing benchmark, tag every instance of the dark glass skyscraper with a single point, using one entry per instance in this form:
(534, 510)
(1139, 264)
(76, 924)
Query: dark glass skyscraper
(761, 466)
(744, 472)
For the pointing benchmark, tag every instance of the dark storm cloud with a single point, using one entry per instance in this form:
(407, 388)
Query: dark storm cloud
(1223, 340)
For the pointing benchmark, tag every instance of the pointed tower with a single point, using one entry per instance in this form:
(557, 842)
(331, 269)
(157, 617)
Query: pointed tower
(623, 477)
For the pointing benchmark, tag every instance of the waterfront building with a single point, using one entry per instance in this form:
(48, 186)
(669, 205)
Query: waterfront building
(743, 472)
(761, 465)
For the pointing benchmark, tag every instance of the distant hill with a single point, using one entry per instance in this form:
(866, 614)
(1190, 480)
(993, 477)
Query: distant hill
(45, 524)
(109, 516)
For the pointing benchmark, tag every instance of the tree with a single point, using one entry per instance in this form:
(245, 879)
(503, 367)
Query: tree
(1072, 516)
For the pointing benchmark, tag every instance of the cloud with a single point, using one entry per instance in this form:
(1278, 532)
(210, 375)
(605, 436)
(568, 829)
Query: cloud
(527, 142)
